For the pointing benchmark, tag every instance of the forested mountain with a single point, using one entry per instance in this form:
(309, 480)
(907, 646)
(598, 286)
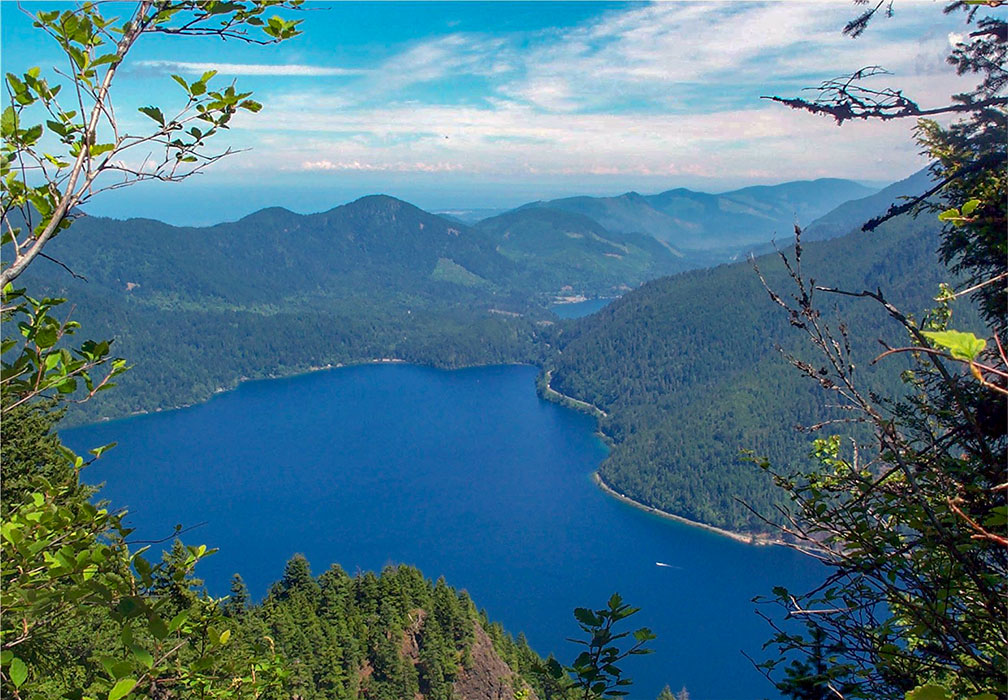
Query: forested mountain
(851, 215)
(699, 222)
(562, 249)
(384, 636)
(377, 244)
(687, 371)
(278, 292)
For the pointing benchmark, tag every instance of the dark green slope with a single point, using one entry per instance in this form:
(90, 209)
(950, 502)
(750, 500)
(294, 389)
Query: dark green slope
(687, 369)
(375, 244)
(626, 213)
(561, 250)
(277, 292)
(699, 223)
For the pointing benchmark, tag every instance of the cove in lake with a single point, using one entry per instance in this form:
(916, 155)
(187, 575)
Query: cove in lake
(467, 475)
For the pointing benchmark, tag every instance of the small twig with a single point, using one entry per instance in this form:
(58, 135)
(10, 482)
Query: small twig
(169, 537)
(63, 265)
(982, 534)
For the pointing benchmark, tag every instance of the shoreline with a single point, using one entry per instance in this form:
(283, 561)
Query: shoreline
(241, 380)
(757, 540)
(550, 393)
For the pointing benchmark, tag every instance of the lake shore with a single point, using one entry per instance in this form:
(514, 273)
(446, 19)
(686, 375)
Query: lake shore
(760, 540)
(552, 394)
(238, 382)
(555, 396)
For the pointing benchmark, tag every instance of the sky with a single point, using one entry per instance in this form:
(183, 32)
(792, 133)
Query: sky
(489, 105)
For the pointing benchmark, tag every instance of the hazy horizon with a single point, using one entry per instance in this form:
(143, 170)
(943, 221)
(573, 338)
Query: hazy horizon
(482, 105)
(208, 206)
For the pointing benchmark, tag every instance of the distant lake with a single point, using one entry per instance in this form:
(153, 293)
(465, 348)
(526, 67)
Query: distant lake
(465, 474)
(578, 309)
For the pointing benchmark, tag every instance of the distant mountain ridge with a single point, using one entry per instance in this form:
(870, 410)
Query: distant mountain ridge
(557, 246)
(278, 292)
(701, 222)
(853, 214)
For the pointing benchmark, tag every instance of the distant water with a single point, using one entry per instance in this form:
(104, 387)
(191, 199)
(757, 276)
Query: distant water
(467, 475)
(579, 308)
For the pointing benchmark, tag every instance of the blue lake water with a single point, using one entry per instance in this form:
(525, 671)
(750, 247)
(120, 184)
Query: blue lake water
(465, 474)
(578, 309)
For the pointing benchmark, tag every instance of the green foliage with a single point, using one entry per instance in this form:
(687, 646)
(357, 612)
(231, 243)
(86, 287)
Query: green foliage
(73, 149)
(910, 522)
(595, 671)
(392, 635)
(84, 616)
(41, 369)
(962, 346)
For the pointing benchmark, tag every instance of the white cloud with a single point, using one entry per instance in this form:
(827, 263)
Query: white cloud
(250, 68)
(766, 143)
(664, 90)
(657, 52)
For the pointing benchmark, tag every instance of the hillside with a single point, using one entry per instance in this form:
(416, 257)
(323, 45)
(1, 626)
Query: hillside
(563, 250)
(376, 244)
(687, 371)
(853, 214)
(277, 292)
(388, 636)
(702, 223)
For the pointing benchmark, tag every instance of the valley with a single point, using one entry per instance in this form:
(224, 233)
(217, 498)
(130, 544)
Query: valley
(278, 293)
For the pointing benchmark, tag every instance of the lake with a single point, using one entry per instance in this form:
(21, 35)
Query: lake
(577, 309)
(467, 475)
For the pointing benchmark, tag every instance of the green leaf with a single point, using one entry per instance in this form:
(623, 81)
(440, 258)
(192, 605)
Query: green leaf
(157, 627)
(100, 148)
(178, 620)
(97, 451)
(962, 346)
(47, 337)
(948, 215)
(587, 617)
(8, 122)
(142, 655)
(18, 672)
(970, 206)
(122, 688)
(928, 692)
(154, 113)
